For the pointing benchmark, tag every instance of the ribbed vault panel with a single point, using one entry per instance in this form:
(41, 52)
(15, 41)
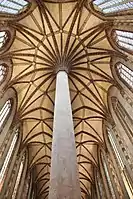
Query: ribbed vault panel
(61, 36)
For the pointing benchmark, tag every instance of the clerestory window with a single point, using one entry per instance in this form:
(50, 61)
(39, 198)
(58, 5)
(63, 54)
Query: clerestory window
(3, 38)
(116, 151)
(3, 71)
(111, 6)
(123, 116)
(7, 159)
(124, 39)
(106, 171)
(125, 74)
(19, 176)
(123, 170)
(13, 6)
(4, 112)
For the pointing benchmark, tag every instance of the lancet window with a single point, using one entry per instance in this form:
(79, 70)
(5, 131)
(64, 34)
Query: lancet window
(111, 6)
(122, 166)
(124, 39)
(123, 117)
(13, 6)
(3, 71)
(4, 112)
(115, 148)
(27, 188)
(100, 185)
(20, 171)
(3, 38)
(8, 159)
(104, 162)
(125, 73)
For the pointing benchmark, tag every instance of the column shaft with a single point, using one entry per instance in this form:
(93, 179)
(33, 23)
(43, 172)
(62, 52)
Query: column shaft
(64, 178)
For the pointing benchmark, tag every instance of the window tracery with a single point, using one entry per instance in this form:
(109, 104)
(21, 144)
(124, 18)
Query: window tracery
(13, 6)
(111, 6)
(125, 73)
(3, 38)
(3, 71)
(7, 159)
(124, 39)
(4, 112)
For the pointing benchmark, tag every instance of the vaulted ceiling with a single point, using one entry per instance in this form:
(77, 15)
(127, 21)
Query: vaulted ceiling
(61, 35)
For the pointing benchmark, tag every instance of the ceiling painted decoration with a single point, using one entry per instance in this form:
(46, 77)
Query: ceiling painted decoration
(53, 36)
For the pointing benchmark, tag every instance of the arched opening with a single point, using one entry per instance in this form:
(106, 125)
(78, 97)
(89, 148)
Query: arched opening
(8, 158)
(112, 6)
(61, 33)
(3, 71)
(13, 7)
(125, 74)
(3, 38)
(124, 39)
(4, 112)
(123, 117)
(19, 176)
(122, 166)
(104, 161)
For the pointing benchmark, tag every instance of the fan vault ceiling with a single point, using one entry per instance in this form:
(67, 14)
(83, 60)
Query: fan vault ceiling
(61, 35)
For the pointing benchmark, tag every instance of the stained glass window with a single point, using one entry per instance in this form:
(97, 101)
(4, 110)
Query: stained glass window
(123, 117)
(125, 73)
(3, 38)
(108, 176)
(3, 71)
(114, 146)
(18, 177)
(7, 159)
(13, 6)
(122, 167)
(124, 39)
(5, 111)
(111, 6)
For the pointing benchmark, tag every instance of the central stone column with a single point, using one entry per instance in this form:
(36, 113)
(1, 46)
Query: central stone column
(64, 177)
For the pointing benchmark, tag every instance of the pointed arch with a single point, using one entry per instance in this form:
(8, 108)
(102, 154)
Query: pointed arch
(112, 6)
(8, 105)
(13, 7)
(124, 39)
(122, 71)
(125, 74)
(5, 72)
(120, 138)
(6, 37)
(120, 36)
